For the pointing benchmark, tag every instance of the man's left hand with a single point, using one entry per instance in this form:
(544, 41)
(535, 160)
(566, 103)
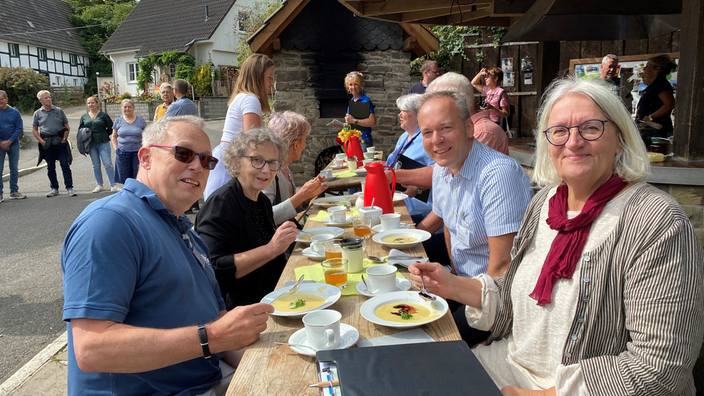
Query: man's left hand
(411, 191)
(5, 145)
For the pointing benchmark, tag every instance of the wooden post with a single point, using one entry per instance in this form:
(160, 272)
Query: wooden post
(689, 109)
(549, 65)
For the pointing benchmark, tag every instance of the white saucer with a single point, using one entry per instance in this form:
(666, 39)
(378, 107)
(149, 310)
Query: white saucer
(349, 220)
(377, 228)
(399, 196)
(402, 284)
(348, 337)
(308, 252)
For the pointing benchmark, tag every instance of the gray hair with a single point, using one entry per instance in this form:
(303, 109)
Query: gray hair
(454, 82)
(608, 57)
(127, 101)
(41, 93)
(233, 153)
(158, 131)
(410, 102)
(427, 65)
(632, 163)
(459, 98)
(290, 126)
(165, 85)
(3, 93)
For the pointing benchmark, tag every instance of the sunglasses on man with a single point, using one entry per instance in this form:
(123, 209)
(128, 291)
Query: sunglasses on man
(187, 155)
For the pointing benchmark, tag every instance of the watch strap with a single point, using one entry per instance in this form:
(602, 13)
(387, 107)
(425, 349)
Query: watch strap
(203, 335)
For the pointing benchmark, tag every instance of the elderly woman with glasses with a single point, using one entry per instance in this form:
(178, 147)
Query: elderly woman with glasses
(603, 295)
(237, 222)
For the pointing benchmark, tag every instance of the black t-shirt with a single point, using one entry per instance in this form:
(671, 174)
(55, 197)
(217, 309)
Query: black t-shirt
(650, 102)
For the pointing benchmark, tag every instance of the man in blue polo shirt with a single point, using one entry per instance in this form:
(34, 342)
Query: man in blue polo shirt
(10, 130)
(144, 311)
(182, 105)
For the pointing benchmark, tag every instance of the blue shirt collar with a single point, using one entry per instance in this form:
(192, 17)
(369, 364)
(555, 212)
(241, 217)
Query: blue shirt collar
(466, 169)
(143, 192)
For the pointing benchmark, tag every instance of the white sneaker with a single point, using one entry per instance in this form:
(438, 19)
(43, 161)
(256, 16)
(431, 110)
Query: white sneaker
(54, 192)
(98, 188)
(71, 192)
(115, 188)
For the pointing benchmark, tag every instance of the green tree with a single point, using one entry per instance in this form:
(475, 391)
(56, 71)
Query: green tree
(452, 40)
(250, 21)
(21, 85)
(107, 15)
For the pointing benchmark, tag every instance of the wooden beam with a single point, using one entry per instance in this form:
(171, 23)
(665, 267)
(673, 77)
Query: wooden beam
(409, 43)
(278, 22)
(440, 12)
(426, 40)
(276, 43)
(481, 21)
(399, 6)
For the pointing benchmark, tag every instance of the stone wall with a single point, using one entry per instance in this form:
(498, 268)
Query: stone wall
(692, 200)
(212, 107)
(298, 84)
(209, 108)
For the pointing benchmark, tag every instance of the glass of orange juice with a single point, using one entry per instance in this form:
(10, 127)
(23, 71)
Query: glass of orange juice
(363, 227)
(332, 249)
(335, 271)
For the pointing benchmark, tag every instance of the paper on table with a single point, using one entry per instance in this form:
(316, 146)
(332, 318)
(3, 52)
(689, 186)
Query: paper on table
(323, 214)
(415, 336)
(335, 124)
(315, 273)
(405, 263)
(345, 174)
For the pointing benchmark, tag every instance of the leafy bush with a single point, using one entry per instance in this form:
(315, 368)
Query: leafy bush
(21, 85)
(125, 95)
(452, 39)
(201, 80)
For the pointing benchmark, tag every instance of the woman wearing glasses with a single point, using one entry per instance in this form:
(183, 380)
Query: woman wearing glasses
(603, 295)
(293, 129)
(247, 102)
(237, 222)
(360, 111)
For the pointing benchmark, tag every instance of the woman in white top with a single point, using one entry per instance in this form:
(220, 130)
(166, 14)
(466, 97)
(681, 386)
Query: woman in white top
(293, 129)
(604, 293)
(247, 102)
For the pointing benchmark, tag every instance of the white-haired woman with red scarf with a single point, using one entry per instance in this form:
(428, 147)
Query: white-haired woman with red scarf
(603, 295)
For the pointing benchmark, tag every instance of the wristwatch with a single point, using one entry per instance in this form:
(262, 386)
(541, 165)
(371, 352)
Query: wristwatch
(420, 190)
(355, 120)
(204, 342)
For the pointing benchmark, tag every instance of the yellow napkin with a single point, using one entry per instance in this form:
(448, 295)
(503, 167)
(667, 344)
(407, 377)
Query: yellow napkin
(344, 174)
(315, 273)
(323, 214)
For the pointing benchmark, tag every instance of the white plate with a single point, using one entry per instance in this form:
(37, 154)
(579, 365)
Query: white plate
(420, 234)
(402, 284)
(347, 222)
(330, 293)
(348, 337)
(330, 199)
(360, 171)
(377, 228)
(367, 309)
(308, 252)
(321, 230)
(399, 196)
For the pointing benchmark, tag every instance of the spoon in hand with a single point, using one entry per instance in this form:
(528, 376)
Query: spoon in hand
(424, 293)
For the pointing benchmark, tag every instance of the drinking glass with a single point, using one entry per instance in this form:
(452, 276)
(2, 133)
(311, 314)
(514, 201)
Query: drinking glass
(332, 250)
(335, 271)
(363, 227)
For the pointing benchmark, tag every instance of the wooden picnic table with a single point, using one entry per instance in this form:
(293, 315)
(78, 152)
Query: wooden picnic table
(270, 369)
(342, 184)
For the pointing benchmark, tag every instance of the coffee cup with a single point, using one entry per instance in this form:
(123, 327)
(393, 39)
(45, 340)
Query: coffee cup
(382, 279)
(327, 173)
(369, 155)
(372, 212)
(317, 242)
(390, 221)
(323, 329)
(337, 214)
(341, 156)
(371, 149)
(338, 162)
(352, 163)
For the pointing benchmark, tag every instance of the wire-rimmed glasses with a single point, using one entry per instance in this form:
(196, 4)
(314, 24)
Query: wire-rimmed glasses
(258, 163)
(590, 130)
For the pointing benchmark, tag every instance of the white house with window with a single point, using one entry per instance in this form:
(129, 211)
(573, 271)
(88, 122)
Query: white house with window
(38, 34)
(209, 33)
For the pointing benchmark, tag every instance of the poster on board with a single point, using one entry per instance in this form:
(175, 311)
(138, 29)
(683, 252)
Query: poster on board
(507, 68)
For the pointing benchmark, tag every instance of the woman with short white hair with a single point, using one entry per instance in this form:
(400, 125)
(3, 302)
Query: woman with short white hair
(603, 295)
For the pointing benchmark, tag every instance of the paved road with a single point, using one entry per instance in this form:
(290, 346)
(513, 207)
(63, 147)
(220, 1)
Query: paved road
(31, 234)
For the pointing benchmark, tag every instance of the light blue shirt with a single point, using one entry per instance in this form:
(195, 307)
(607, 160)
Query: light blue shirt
(488, 197)
(181, 106)
(416, 152)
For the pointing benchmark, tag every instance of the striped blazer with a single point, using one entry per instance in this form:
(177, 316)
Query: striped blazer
(638, 326)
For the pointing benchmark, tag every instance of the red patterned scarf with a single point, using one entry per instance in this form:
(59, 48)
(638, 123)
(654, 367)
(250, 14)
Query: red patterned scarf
(572, 235)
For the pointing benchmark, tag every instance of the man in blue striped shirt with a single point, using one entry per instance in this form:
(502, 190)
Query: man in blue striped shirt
(480, 194)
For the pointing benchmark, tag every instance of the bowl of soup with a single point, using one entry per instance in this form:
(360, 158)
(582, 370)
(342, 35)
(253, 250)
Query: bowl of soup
(308, 298)
(403, 309)
(401, 238)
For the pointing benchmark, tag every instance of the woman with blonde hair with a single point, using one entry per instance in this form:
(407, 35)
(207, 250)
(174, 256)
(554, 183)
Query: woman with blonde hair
(604, 294)
(247, 102)
(127, 140)
(363, 119)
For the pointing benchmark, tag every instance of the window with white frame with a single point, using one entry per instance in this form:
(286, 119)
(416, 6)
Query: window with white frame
(41, 53)
(242, 17)
(74, 59)
(132, 72)
(14, 50)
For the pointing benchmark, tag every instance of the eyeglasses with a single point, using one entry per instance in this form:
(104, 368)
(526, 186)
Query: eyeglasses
(187, 155)
(589, 130)
(258, 163)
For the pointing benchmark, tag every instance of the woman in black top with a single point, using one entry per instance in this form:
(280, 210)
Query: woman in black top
(237, 222)
(657, 101)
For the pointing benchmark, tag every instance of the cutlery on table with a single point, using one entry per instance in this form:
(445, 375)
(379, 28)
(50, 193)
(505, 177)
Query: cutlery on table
(424, 293)
(383, 260)
(296, 345)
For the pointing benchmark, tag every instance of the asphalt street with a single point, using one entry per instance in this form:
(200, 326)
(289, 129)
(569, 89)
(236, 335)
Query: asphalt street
(31, 235)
